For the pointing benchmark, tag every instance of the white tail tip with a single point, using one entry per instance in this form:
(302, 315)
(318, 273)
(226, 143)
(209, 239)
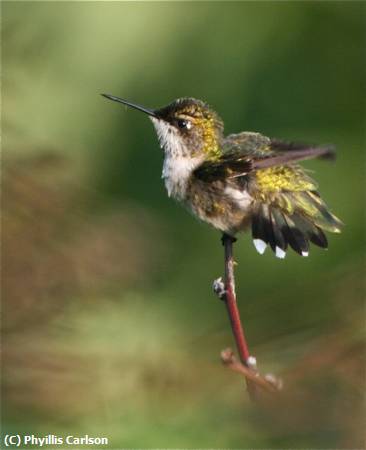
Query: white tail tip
(260, 245)
(280, 253)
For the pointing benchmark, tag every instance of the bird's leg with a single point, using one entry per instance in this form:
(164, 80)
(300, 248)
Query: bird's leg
(225, 237)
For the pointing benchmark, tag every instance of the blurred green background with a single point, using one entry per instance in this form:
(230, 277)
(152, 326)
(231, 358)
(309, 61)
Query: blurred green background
(109, 324)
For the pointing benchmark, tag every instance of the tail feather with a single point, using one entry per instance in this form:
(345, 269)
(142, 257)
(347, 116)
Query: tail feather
(278, 224)
(313, 233)
(310, 204)
(268, 228)
(259, 231)
(318, 238)
(293, 218)
(271, 226)
(296, 238)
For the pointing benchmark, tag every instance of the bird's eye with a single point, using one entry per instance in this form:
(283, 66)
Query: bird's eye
(184, 124)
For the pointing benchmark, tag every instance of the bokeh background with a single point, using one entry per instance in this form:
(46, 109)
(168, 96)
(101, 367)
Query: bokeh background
(109, 324)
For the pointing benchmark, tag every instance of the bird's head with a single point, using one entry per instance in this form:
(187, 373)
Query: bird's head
(186, 127)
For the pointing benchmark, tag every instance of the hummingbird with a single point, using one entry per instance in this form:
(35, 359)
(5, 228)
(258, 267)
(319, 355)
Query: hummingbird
(241, 181)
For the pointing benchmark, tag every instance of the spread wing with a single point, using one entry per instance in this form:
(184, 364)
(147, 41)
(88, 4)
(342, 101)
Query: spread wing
(236, 158)
(287, 209)
(246, 152)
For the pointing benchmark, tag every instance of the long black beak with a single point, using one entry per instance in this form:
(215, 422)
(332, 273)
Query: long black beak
(150, 112)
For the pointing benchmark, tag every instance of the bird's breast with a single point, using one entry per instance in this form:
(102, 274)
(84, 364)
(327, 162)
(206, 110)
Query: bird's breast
(176, 174)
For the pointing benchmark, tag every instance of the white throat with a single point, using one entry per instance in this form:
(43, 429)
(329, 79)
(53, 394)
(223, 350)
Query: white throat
(178, 164)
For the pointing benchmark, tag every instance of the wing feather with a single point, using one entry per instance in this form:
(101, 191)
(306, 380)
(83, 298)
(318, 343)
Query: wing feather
(247, 152)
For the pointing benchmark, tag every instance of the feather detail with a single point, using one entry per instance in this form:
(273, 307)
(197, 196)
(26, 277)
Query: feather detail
(314, 233)
(279, 240)
(259, 235)
(313, 207)
(296, 238)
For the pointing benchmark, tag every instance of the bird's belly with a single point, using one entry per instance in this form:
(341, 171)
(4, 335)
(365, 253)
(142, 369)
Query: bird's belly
(225, 208)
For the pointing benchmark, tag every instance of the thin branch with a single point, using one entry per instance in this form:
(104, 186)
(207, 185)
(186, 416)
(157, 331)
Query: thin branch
(268, 382)
(230, 300)
(248, 366)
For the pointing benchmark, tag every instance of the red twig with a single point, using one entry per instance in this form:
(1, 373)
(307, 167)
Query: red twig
(247, 366)
(233, 311)
(231, 304)
(269, 383)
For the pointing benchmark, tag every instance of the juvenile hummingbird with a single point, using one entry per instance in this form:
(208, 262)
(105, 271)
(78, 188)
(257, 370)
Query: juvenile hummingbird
(240, 181)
